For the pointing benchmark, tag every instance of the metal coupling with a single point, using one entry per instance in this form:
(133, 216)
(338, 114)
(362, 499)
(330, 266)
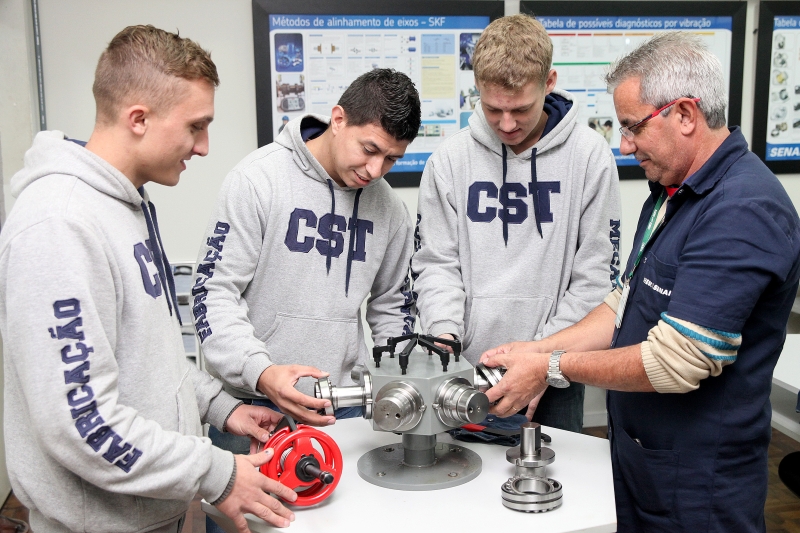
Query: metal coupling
(530, 489)
(487, 377)
(531, 494)
(398, 407)
(356, 396)
(458, 403)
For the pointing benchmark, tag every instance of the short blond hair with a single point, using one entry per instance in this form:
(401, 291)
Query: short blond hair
(141, 64)
(512, 52)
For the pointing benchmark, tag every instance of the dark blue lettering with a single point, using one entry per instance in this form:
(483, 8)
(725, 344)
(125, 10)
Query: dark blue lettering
(332, 241)
(222, 228)
(206, 269)
(78, 396)
(143, 256)
(212, 256)
(198, 310)
(127, 461)
(99, 437)
(542, 196)
(361, 227)
(292, 232)
(76, 375)
(216, 242)
(83, 355)
(80, 411)
(87, 423)
(67, 308)
(474, 201)
(515, 210)
(70, 331)
(114, 449)
(203, 333)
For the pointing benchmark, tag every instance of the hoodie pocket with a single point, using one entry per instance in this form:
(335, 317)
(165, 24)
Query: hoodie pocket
(188, 414)
(330, 344)
(491, 321)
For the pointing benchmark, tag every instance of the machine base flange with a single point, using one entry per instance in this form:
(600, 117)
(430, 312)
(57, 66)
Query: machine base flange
(455, 465)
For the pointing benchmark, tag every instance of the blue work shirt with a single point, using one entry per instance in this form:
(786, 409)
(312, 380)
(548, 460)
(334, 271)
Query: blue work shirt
(727, 258)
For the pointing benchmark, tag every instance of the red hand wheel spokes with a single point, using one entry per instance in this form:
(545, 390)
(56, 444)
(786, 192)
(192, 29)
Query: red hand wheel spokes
(300, 466)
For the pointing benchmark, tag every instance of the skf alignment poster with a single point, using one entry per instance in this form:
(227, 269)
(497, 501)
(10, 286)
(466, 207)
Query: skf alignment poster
(315, 57)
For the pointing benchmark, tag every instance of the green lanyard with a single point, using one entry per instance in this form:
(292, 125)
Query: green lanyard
(649, 231)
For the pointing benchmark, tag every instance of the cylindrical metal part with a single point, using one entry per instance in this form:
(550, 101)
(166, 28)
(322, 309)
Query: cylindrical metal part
(459, 403)
(355, 396)
(419, 450)
(398, 407)
(348, 396)
(487, 377)
(530, 439)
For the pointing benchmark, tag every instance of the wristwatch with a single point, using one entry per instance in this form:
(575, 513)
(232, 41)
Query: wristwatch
(554, 376)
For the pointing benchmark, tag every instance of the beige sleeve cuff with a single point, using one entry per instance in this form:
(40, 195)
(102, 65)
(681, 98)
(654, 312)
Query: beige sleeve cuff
(613, 298)
(674, 363)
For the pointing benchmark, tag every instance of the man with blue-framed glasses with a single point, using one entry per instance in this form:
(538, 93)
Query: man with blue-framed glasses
(688, 343)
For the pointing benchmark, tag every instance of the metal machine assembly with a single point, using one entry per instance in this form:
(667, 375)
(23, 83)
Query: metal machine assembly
(418, 396)
(530, 490)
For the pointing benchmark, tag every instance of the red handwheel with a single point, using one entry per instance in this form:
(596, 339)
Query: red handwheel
(311, 471)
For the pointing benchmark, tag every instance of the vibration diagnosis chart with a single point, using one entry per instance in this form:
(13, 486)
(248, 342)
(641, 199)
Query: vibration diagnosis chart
(584, 47)
(315, 57)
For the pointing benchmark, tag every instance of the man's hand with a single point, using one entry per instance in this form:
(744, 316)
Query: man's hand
(254, 422)
(511, 348)
(523, 382)
(533, 405)
(278, 382)
(250, 494)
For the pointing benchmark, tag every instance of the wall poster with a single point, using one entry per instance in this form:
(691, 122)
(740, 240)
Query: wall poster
(776, 120)
(305, 60)
(588, 37)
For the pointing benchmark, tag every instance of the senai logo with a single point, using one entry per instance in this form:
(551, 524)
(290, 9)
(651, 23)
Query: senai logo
(784, 152)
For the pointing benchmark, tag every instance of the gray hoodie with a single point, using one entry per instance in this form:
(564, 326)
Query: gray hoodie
(288, 259)
(494, 265)
(102, 412)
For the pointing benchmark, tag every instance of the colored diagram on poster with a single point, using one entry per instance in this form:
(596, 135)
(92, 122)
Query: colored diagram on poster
(316, 57)
(584, 47)
(783, 126)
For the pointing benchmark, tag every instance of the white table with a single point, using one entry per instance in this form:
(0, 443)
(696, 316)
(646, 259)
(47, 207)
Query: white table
(582, 465)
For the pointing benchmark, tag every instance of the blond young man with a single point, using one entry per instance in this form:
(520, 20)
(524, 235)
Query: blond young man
(102, 413)
(518, 219)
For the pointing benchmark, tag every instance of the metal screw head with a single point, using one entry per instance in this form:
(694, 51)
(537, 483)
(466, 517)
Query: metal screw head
(381, 474)
(453, 474)
(388, 449)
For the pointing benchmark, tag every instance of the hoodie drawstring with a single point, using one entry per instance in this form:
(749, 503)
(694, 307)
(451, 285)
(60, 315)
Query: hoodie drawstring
(504, 201)
(353, 227)
(333, 214)
(160, 258)
(350, 249)
(535, 193)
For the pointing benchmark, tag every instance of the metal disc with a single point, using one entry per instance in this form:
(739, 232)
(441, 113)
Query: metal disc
(455, 465)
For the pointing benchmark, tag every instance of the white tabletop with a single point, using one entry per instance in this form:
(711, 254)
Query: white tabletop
(787, 371)
(582, 465)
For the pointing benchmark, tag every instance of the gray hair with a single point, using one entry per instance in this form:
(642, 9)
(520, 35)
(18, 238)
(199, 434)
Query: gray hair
(674, 65)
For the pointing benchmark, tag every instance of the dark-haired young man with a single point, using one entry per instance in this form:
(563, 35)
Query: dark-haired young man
(304, 230)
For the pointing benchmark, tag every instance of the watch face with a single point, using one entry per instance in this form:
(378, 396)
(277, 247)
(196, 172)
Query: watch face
(558, 382)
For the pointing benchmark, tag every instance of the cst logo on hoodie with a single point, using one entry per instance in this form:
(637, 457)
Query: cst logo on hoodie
(512, 198)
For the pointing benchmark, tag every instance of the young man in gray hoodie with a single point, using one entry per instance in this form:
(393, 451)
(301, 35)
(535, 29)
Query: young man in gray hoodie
(103, 413)
(518, 217)
(304, 231)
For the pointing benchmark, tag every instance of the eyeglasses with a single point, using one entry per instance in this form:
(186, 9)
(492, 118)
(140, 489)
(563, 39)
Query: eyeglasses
(628, 131)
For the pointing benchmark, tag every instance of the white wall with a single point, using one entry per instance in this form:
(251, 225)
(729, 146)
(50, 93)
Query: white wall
(75, 32)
